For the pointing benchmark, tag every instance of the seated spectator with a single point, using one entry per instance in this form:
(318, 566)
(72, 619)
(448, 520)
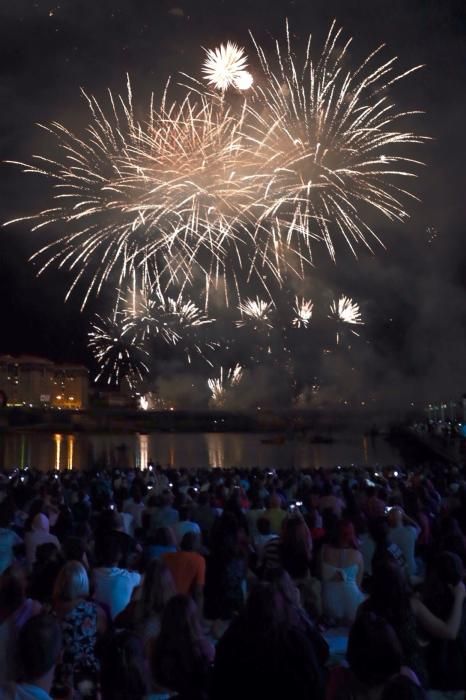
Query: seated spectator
(391, 599)
(446, 658)
(375, 658)
(112, 525)
(382, 551)
(39, 534)
(164, 515)
(135, 507)
(185, 525)
(124, 668)
(15, 610)
(144, 614)
(82, 622)
(38, 650)
(114, 586)
(404, 532)
(181, 654)
(226, 571)
(187, 568)
(163, 542)
(263, 535)
(9, 540)
(49, 561)
(275, 513)
(269, 645)
(331, 501)
(342, 572)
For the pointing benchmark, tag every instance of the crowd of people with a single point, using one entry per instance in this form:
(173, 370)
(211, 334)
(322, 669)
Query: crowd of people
(343, 584)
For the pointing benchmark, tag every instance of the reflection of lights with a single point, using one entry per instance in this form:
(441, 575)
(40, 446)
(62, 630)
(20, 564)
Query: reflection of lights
(57, 439)
(69, 463)
(143, 442)
(215, 450)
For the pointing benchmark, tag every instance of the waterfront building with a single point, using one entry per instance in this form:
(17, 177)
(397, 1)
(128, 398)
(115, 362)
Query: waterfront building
(32, 381)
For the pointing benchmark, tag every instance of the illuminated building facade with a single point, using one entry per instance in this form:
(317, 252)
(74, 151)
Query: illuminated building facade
(33, 381)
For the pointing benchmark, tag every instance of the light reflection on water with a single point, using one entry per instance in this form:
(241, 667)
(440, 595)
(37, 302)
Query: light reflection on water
(46, 450)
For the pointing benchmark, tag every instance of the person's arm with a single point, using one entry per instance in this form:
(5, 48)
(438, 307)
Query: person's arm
(434, 625)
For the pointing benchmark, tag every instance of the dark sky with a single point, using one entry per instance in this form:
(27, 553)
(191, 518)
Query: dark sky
(412, 294)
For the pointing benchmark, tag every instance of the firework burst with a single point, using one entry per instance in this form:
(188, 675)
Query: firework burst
(255, 313)
(302, 310)
(345, 312)
(225, 67)
(115, 349)
(172, 193)
(221, 386)
(329, 138)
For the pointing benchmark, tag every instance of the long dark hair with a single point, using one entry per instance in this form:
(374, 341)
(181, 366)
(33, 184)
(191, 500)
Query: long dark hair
(390, 594)
(178, 659)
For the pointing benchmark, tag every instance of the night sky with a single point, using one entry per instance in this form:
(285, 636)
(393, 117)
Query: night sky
(412, 294)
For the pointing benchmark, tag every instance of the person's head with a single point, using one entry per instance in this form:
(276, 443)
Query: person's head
(166, 499)
(111, 552)
(263, 526)
(72, 582)
(123, 668)
(395, 517)
(185, 513)
(374, 651)
(39, 647)
(390, 593)
(344, 535)
(40, 523)
(164, 537)
(180, 620)
(274, 501)
(267, 610)
(295, 531)
(281, 582)
(12, 589)
(378, 530)
(75, 550)
(47, 554)
(188, 542)
(157, 589)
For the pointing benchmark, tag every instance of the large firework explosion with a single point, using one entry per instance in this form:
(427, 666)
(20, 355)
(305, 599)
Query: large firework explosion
(329, 138)
(210, 192)
(221, 386)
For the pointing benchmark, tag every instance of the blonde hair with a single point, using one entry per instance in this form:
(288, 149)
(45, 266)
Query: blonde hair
(72, 582)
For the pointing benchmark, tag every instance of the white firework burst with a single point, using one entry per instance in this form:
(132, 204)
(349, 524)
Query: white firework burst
(221, 386)
(345, 311)
(303, 312)
(226, 66)
(255, 312)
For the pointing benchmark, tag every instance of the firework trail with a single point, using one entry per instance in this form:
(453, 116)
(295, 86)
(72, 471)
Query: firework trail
(255, 313)
(114, 348)
(345, 312)
(329, 139)
(221, 386)
(226, 66)
(302, 310)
